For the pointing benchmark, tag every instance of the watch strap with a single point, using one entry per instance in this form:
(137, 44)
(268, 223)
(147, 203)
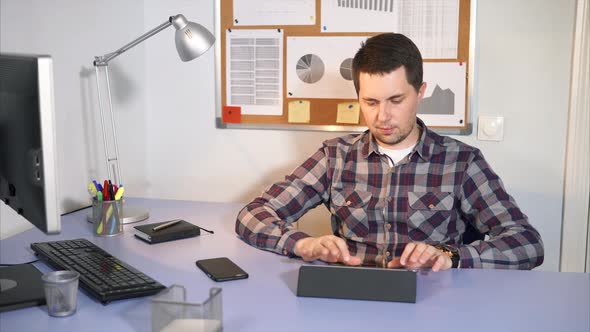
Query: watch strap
(452, 253)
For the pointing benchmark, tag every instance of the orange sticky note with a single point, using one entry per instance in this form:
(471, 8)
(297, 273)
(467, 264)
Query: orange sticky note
(231, 114)
(299, 111)
(348, 113)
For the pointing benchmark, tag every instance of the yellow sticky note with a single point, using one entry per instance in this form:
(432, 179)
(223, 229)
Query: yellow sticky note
(348, 113)
(299, 111)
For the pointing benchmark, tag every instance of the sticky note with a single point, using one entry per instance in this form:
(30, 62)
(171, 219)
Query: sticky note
(299, 111)
(231, 114)
(348, 113)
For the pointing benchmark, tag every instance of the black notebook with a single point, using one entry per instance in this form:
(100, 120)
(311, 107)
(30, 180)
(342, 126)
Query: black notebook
(20, 286)
(181, 230)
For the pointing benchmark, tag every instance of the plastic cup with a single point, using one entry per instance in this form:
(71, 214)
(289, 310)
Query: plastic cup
(61, 292)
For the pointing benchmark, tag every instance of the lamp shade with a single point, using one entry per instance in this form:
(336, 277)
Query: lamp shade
(192, 39)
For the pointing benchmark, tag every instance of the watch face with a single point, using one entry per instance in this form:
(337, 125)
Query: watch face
(452, 252)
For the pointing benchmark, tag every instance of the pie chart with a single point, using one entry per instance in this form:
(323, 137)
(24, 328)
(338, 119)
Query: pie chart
(346, 69)
(310, 68)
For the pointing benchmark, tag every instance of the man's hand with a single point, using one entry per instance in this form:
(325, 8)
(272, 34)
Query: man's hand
(328, 248)
(417, 254)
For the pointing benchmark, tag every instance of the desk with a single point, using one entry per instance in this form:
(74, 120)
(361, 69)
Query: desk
(453, 300)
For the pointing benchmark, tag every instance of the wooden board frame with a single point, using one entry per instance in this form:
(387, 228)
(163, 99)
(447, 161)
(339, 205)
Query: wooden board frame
(323, 111)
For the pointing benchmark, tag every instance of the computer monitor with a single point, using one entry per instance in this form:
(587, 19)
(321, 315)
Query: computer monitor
(28, 168)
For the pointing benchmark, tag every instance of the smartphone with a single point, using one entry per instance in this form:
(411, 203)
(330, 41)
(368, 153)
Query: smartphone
(221, 269)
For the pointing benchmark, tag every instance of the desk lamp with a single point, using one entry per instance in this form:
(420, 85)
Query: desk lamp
(192, 40)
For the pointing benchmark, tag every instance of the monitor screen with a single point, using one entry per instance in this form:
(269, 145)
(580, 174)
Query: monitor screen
(28, 166)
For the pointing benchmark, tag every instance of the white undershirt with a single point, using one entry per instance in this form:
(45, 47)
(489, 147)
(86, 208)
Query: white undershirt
(395, 155)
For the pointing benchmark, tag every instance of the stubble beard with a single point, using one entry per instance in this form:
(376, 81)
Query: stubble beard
(395, 138)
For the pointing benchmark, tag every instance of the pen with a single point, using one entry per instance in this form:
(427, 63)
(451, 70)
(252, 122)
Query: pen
(92, 189)
(166, 225)
(206, 230)
(105, 191)
(119, 193)
(111, 192)
(105, 194)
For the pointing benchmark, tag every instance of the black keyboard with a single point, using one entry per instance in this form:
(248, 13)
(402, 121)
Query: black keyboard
(102, 275)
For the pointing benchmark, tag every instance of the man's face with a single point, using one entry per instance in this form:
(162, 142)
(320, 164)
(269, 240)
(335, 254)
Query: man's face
(389, 104)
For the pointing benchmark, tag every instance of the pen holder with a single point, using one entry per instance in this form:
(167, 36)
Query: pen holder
(171, 312)
(107, 221)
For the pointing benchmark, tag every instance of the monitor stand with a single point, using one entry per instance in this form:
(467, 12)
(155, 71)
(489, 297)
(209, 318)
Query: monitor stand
(20, 286)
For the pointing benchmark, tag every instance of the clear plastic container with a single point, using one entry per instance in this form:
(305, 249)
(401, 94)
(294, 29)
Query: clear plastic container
(171, 312)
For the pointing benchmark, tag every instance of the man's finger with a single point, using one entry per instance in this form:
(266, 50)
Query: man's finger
(322, 251)
(311, 254)
(429, 253)
(417, 252)
(353, 260)
(333, 253)
(317, 251)
(395, 263)
(343, 248)
(438, 263)
(407, 252)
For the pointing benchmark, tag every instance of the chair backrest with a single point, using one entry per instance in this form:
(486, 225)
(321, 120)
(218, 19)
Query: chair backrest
(472, 234)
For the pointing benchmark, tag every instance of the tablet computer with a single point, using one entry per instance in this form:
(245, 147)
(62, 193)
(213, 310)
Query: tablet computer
(357, 282)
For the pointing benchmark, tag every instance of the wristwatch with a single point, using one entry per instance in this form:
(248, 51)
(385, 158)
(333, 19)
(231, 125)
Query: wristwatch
(452, 252)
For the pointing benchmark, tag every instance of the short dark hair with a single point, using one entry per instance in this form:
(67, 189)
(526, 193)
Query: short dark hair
(384, 53)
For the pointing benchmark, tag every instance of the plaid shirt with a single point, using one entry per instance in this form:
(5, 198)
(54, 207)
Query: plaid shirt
(429, 197)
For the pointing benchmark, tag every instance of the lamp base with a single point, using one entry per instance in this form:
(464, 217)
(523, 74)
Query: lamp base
(128, 215)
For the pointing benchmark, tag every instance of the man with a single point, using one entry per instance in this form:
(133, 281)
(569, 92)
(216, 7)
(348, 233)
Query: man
(400, 195)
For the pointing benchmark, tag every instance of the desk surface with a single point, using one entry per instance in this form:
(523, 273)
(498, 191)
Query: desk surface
(454, 300)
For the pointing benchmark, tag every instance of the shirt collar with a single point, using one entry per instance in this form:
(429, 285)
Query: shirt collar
(423, 148)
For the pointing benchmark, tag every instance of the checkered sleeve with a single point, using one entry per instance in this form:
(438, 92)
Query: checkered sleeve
(513, 243)
(267, 221)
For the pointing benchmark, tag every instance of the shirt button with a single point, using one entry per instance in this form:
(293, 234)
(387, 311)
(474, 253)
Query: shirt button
(348, 203)
(389, 199)
(431, 206)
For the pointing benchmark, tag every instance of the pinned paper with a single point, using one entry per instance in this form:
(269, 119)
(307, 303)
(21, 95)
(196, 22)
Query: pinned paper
(231, 114)
(348, 113)
(299, 111)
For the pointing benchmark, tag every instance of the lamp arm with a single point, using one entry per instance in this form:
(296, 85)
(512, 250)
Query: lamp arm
(104, 59)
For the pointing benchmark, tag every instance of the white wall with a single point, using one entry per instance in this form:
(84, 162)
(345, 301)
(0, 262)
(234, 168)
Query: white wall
(73, 32)
(188, 157)
(173, 149)
(524, 51)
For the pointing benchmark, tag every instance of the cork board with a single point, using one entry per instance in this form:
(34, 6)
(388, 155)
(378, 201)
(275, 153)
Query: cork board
(308, 109)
